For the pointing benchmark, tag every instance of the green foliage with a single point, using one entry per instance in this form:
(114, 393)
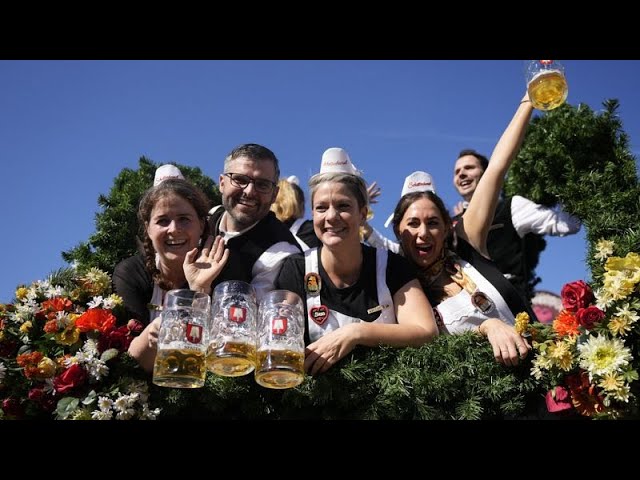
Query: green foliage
(581, 159)
(455, 377)
(117, 224)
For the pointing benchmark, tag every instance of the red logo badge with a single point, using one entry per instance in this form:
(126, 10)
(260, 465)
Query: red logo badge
(237, 314)
(278, 325)
(319, 314)
(194, 333)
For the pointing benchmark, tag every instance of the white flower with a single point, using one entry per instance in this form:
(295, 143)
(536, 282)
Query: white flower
(100, 415)
(147, 414)
(90, 347)
(125, 414)
(104, 404)
(3, 371)
(604, 299)
(95, 302)
(53, 292)
(604, 249)
(600, 355)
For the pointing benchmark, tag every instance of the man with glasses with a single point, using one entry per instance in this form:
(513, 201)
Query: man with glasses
(257, 241)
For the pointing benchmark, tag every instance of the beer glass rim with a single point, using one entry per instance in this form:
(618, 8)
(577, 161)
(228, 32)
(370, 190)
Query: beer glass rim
(274, 293)
(241, 283)
(529, 73)
(186, 294)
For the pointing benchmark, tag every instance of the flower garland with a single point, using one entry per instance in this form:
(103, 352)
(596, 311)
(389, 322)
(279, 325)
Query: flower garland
(63, 355)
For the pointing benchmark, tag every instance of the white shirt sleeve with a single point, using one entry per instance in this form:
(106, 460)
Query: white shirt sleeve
(267, 267)
(377, 240)
(529, 217)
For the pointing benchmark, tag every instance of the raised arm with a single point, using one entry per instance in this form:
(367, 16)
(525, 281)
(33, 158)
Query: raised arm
(474, 226)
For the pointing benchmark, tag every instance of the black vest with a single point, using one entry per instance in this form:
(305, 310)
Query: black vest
(507, 249)
(245, 249)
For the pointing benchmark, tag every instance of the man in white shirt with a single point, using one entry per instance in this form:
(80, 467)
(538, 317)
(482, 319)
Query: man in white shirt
(514, 238)
(516, 218)
(257, 241)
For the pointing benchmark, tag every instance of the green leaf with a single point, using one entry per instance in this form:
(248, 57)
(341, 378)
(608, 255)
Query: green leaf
(66, 406)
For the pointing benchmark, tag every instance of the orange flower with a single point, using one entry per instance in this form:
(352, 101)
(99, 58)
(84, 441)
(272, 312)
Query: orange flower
(566, 323)
(51, 326)
(29, 362)
(96, 319)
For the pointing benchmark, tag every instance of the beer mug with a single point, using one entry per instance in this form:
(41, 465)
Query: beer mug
(232, 347)
(280, 340)
(546, 84)
(180, 361)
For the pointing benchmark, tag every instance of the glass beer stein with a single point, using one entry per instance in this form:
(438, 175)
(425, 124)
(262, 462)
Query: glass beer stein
(546, 84)
(180, 361)
(232, 347)
(280, 340)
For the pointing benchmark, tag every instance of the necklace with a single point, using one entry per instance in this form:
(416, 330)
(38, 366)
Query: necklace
(433, 272)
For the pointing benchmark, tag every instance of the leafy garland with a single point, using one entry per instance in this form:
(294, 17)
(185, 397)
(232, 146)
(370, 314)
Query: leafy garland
(444, 380)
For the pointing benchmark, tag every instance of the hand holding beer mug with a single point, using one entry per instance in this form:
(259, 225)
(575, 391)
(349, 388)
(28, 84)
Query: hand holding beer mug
(232, 347)
(546, 84)
(280, 340)
(180, 361)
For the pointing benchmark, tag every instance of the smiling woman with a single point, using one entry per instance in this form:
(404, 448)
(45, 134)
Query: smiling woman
(354, 294)
(467, 289)
(173, 218)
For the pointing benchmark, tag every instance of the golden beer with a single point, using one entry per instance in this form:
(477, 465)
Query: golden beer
(548, 90)
(279, 368)
(231, 359)
(179, 368)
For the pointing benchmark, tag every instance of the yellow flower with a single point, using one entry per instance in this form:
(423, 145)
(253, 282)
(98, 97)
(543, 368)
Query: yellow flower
(619, 326)
(68, 336)
(611, 382)
(522, 322)
(46, 369)
(115, 299)
(96, 281)
(560, 355)
(21, 293)
(26, 326)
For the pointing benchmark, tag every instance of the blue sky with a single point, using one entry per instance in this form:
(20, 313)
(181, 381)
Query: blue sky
(67, 128)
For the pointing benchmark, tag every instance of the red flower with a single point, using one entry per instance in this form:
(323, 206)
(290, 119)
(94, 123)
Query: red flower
(558, 400)
(96, 319)
(12, 407)
(135, 326)
(576, 295)
(119, 338)
(589, 316)
(585, 397)
(50, 307)
(72, 377)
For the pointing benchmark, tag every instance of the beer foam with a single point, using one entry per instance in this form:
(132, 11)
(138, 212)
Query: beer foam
(542, 73)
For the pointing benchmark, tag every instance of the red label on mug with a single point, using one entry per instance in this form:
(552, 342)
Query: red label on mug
(237, 314)
(194, 333)
(278, 325)
(319, 314)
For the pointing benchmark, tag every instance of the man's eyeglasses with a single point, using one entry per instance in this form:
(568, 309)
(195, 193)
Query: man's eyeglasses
(242, 181)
